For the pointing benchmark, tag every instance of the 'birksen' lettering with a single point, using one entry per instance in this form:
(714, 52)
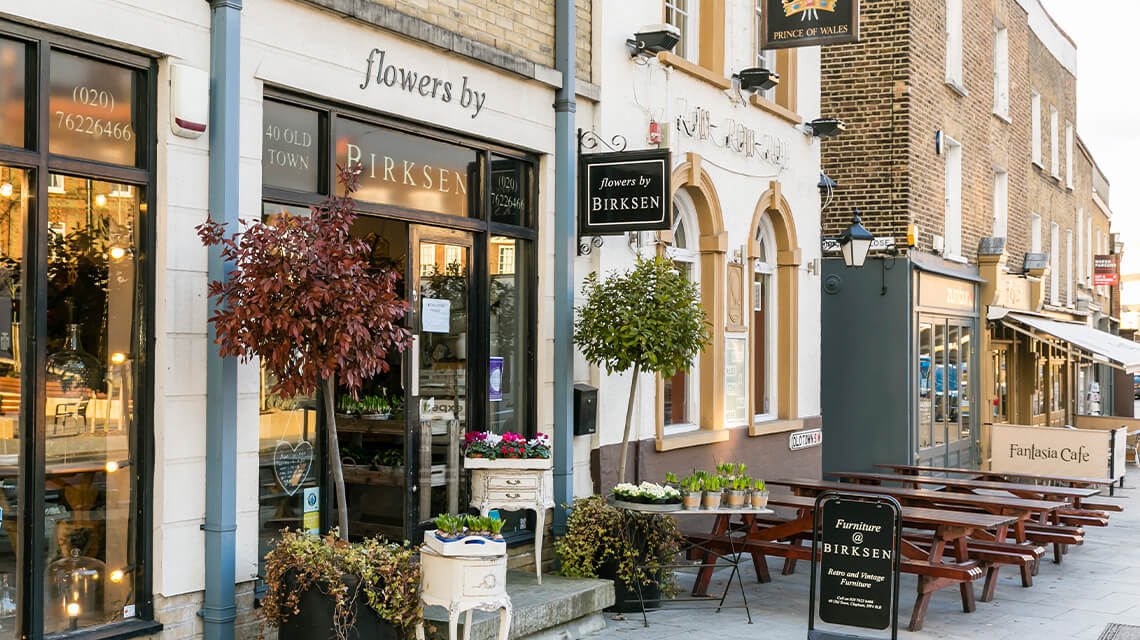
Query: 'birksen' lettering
(856, 551)
(421, 83)
(408, 173)
(634, 203)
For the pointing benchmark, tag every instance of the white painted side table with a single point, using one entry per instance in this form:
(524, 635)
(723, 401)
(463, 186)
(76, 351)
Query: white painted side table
(463, 584)
(514, 485)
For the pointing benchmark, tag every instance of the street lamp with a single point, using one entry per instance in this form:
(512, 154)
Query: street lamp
(855, 242)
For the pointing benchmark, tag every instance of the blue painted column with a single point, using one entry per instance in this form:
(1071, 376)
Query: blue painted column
(219, 608)
(565, 250)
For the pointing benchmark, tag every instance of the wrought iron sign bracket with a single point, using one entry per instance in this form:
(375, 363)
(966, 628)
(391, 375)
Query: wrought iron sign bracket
(589, 140)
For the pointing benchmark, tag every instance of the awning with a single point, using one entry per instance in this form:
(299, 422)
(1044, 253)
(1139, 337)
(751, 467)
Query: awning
(1120, 351)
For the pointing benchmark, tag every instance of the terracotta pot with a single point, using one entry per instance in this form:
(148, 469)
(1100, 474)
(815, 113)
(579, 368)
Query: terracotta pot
(712, 500)
(759, 499)
(735, 498)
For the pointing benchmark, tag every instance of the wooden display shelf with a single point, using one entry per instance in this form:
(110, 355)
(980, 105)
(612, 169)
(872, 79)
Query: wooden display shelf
(386, 477)
(370, 427)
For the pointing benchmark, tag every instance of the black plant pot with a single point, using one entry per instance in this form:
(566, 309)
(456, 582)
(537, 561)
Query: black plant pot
(626, 598)
(314, 620)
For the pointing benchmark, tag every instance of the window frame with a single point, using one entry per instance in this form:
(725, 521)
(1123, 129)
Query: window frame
(1001, 203)
(36, 158)
(1054, 263)
(1036, 128)
(1069, 154)
(1070, 272)
(1035, 245)
(766, 58)
(1054, 142)
(1001, 71)
(482, 228)
(688, 47)
(685, 217)
(955, 39)
(952, 184)
(764, 266)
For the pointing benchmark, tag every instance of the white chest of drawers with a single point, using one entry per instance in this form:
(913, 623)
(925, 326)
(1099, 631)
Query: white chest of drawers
(514, 485)
(463, 584)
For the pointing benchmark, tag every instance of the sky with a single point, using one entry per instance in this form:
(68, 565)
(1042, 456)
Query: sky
(1108, 102)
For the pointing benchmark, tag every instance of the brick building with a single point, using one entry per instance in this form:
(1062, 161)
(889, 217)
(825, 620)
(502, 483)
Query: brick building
(960, 146)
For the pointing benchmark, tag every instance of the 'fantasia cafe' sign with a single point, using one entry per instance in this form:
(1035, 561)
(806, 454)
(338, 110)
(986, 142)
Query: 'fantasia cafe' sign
(805, 23)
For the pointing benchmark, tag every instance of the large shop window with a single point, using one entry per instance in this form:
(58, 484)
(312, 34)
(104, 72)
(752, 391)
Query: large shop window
(76, 318)
(455, 218)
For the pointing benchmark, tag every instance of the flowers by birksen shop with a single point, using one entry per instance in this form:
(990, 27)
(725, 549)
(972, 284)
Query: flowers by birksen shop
(484, 444)
(647, 493)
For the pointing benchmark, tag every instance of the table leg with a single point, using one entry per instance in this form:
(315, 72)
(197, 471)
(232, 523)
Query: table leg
(505, 615)
(961, 554)
(918, 616)
(452, 624)
(467, 624)
(539, 528)
(704, 574)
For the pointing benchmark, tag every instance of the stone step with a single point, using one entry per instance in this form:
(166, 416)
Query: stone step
(562, 608)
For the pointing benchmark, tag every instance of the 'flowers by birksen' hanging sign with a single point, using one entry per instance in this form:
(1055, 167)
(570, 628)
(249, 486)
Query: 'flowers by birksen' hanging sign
(785, 24)
(624, 191)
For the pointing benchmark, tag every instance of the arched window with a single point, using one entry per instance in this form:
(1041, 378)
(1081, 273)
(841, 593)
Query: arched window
(682, 390)
(763, 323)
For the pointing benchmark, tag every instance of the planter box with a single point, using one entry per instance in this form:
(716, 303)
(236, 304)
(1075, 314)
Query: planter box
(468, 546)
(640, 506)
(314, 621)
(508, 463)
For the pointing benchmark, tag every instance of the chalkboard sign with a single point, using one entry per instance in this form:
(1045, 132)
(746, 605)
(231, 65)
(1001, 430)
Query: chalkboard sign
(625, 191)
(858, 563)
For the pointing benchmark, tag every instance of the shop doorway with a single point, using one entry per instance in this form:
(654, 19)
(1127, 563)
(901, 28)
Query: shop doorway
(945, 424)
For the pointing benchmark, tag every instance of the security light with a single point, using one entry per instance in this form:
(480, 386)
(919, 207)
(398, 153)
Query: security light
(653, 39)
(824, 127)
(756, 79)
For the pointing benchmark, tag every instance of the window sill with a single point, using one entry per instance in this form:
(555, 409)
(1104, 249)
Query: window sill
(670, 59)
(691, 439)
(777, 110)
(1038, 165)
(958, 259)
(774, 426)
(1004, 117)
(133, 628)
(957, 87)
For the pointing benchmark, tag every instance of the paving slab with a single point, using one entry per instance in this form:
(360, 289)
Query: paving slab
(1097, 585)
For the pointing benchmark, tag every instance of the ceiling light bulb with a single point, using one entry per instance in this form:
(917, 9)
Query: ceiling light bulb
(118, 358)
(73, 609)
(101, 200)
(112, 466)
(117, 253)
(117, 575)
(6, 189)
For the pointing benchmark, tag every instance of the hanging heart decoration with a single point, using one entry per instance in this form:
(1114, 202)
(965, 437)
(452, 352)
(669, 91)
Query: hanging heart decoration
(291, 464)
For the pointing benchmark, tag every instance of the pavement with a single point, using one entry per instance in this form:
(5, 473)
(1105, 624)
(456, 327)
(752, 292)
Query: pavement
(1097, 584)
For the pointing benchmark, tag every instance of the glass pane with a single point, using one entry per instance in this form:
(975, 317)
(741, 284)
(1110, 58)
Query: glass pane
(760, 344)
(941, 405)
(409, 171)
(677, 407)
(1001, 384)
(443, 340)
(925, 397)
(16, 200)
(511, 336)
(290, 147)
(964, 353)
(91, 109)
(270, 211)
(13, 93)
(94, 344)
(511, 187)
(953, 395)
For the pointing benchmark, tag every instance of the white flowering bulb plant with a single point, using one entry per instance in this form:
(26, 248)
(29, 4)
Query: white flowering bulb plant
(647, 493)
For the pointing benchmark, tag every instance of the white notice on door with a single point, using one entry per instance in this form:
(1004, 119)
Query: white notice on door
(435, 315)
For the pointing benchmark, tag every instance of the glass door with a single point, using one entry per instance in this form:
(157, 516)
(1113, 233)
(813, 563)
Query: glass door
(945, 425)
(441, 286)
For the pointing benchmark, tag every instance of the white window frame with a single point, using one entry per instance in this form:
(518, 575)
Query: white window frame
(56, 183)
(427, 267)
(687, 48)
(1069, 154)
(1001, 203)
(1070, 272)
(1088, 262)
(1001, 71)
(763, 58)
(952, 220)
(765, 265)
(1080, 245)
(685, 216)
(1054, 141)
(1034, 233)
(1035, 115)
(506, 260)
(452, 254)
(954, 42)
(1054, 264)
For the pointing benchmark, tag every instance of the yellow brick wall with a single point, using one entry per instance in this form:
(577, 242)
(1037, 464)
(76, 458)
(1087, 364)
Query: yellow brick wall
(524, 28)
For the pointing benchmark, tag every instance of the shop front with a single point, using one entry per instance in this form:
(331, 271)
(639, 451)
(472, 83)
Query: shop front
(900, 356)
(455, 218)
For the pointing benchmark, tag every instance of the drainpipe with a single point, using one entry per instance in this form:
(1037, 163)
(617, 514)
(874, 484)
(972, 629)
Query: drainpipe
(219, 608)
(565, 250)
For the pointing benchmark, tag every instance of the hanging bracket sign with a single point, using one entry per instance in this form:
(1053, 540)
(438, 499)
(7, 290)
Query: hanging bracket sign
(787, 24)
(624, 191)
(857, 559)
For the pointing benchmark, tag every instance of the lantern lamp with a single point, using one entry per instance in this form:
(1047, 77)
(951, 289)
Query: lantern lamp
(855, 242)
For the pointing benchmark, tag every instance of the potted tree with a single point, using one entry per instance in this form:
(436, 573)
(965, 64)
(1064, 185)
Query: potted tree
(304, 299)
(603, 541)
(647, 319)
(323, 587)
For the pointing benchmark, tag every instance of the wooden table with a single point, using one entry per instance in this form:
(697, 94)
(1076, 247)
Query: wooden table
(950, 529)
(1030, 491)
(982, 474)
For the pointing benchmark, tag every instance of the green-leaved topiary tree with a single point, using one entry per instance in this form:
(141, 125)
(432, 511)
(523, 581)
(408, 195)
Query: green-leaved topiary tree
(647, 318)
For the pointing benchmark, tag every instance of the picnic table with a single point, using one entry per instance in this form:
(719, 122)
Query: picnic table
(950, 531)
(1002, 476)
(1074, 495)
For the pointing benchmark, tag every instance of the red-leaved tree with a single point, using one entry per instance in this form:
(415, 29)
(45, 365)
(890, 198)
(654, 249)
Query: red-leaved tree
(304, 300)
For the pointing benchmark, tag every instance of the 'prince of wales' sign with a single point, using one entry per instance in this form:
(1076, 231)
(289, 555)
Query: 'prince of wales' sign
(786, 24)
